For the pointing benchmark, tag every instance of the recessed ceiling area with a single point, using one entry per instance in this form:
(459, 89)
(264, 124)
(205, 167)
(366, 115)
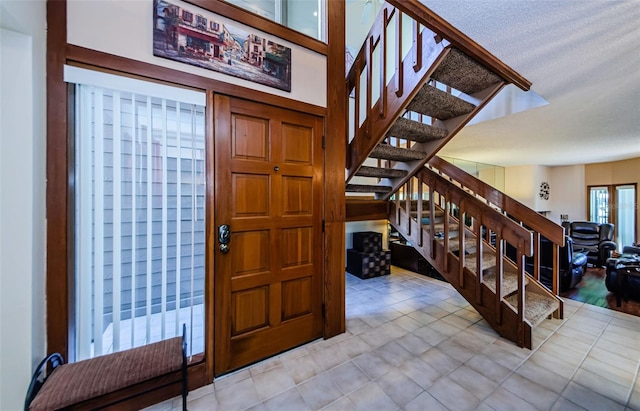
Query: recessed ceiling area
(583, 58)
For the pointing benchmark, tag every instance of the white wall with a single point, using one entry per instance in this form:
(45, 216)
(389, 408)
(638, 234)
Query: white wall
(568, 193)
(523, 184)
(22, 196)
(125, 28)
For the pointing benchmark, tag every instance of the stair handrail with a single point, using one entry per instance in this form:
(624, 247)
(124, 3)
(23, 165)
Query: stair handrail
(437, 24)
(538, 224)
(431, 35)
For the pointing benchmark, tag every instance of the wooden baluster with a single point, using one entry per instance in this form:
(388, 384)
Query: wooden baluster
(479, 274)
(499, 275)
(536, 255)
(520, 262)
(419, 216)
(417, 47)
(555, 284)
(399, 63)
(383, 63)
(432, 214)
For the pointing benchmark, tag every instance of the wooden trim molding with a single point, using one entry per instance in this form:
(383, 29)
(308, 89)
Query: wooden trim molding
(243, 16)
(335, 159)
(58, 255)
(110, 62)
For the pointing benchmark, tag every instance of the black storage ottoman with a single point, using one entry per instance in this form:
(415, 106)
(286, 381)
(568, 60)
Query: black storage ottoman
(367, 259)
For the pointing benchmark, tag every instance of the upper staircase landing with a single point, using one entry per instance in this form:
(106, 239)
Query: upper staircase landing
(431, 83)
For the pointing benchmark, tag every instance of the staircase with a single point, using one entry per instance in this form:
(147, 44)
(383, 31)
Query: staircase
(406, 105)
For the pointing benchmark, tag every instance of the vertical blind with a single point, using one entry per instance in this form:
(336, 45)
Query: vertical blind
(139, 221)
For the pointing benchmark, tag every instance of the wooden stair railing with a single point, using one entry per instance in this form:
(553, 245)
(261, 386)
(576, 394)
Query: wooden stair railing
(539, 225)
(448, 226)
(394, 79)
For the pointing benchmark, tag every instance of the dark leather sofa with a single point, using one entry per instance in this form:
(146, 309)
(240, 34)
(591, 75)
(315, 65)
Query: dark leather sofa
(593, 239)
(572, 264)
(632, 288)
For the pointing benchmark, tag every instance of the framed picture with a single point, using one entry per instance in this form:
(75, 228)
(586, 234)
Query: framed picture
(194, 36)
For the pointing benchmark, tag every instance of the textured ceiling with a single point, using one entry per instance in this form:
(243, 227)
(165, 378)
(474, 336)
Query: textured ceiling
(582, 56)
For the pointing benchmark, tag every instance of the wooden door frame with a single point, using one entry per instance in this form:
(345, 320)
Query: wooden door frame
(59, 262)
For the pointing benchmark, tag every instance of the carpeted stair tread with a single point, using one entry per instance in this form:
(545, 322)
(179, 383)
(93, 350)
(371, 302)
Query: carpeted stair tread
(509, 279)
(488, 261)
(439, 227)
(439, 104)
(463, 73)
(388, 152)
(537, 307)
(425, 214)
(416, 131)
(364, 188)
(380, 172)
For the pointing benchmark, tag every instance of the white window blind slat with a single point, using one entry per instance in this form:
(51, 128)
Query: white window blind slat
(144, 155)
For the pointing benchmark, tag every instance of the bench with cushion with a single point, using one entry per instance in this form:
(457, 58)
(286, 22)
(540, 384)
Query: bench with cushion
(95, 383)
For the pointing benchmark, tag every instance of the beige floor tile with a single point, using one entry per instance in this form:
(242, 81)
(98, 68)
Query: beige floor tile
(203, 403)
(452, 395)
(537, 395)
(400, 388)
(372, 397)
(440, 361)
(457, 321)
(420, 372)
(348, 377)
(632, 354)
(238, 396)
(423, 402)
(302, 368)
(599, 384)
(553, 364)
(608, 372)
(429, 335)
(444, 328)
(422, 317)
(563, 404)
(289, 400)
(620, 339)
(273, 382)
(413, 344)
(357, 326)
(455, 350)
(503, 400)
(589, 399)
(343, 404)
(488, 368)
(372, 365)
(394, 353)
(550, 380)
(613, 359)
(353, 346)
(268, 364)
(476, 383)
(558, 351)
(329, 357)
(502, 357)
(569, 341)
(407, 323)
(230, 379)
(319, 391)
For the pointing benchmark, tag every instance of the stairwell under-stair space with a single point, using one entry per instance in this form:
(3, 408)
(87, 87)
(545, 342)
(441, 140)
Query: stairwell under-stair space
(424, 96)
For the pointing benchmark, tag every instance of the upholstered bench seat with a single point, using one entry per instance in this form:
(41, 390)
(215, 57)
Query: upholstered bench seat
(71, 385)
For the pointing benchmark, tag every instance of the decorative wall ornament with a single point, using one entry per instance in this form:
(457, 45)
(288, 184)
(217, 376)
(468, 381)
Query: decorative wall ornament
(194, 36)
(544, 190)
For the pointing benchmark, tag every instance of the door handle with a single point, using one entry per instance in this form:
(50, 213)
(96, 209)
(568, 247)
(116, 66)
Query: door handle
(224, 237)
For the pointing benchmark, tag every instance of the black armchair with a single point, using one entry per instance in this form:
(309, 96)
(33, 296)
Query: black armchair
(572, 264)
(593, 239)
(632, 286)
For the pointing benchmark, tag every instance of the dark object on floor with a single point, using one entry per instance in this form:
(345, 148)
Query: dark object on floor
(593, 239)
(367, 259)
(572, 264)
(100, 381)
(407, 257)
(623, 275)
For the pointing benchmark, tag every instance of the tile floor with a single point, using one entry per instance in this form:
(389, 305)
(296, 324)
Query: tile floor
(413, 343)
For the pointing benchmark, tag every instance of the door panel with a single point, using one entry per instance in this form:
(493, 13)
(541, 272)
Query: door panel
(268, 288)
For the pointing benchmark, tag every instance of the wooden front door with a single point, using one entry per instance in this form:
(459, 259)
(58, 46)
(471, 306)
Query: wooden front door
(268, 190)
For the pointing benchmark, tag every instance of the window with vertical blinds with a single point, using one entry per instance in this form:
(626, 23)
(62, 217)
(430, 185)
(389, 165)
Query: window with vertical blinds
(139, 220)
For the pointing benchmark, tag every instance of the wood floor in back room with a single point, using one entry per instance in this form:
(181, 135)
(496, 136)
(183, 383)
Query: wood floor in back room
(592, 290)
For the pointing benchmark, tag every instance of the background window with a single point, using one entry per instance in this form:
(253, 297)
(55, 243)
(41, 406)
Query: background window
(140, 221)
